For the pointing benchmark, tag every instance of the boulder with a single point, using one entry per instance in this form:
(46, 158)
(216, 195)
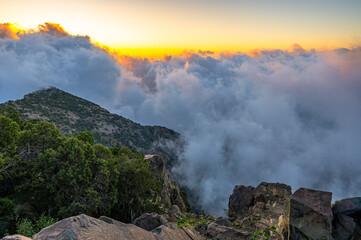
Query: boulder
(166, 233)
(241, 199)
(224, 222)
(16, 237)
(83, 227)
(347, 218)
(170, 191)
(221, 232)
(150, 221)
(343, 227)
(310, 215)
(347, 206)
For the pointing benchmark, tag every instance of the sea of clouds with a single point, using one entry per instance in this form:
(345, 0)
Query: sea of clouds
(275, 116)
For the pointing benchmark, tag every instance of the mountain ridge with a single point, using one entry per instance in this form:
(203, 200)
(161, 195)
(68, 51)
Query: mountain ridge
(72, 114)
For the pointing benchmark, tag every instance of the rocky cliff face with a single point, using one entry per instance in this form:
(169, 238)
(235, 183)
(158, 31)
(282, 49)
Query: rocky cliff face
(170, 192)
(262, 210)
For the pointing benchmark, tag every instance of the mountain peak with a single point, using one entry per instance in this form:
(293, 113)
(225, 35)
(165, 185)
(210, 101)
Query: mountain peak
(72, 114)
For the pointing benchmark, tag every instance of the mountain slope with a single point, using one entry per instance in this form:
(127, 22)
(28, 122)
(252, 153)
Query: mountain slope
(72, 114)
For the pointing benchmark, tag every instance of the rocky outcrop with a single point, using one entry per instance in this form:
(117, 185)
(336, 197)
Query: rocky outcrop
(310, 215)
(83, 227)
(170, 191)
(241, 199)
(347, 219)
(218, 231)
(150, 221)
(268, 211)
(343, 227)
(347, 206)
(261, 210)
(271, 192)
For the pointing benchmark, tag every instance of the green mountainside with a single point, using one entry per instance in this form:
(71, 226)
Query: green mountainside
(71, 115)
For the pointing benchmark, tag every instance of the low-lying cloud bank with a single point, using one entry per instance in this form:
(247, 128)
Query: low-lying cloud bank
(287, 116)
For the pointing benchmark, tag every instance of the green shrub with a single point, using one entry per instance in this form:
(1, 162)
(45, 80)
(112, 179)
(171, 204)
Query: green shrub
(29, 228)
(43, 222)
(192, 220)
(25, 227)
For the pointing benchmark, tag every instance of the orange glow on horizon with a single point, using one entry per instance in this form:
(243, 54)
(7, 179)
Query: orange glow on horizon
(156, 28)
(13, 31)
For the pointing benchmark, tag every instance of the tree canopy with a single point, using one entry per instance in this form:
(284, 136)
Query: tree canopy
(44, 172)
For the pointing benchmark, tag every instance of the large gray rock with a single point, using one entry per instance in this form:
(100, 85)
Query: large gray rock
(343, 227)
(83, 227)
(347, 206)
(224, 222)
(241, 199)
(166, 233)
(310, 215)
(150, 221)
(221, 232)
(16, 237)
(347, 219)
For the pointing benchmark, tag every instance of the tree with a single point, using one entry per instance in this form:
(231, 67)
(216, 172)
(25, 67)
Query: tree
(37, 136)
(9, 131)
(86, 136)
(12, 113)
(42, 171)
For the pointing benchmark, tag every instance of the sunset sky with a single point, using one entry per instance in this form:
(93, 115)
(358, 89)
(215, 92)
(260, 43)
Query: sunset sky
(158, 27)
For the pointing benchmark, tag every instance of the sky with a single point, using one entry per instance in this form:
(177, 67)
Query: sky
(160, 27)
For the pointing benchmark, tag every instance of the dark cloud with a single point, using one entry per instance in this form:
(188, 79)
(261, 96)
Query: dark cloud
(288, 116)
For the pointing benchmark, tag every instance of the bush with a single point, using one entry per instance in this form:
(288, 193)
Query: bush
(25, 227)
(43, 222)
(29, 228)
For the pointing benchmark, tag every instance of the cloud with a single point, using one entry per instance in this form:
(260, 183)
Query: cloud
(8, 31)
(49, 56)
(291, 117)
(53, 29)
(287, 116)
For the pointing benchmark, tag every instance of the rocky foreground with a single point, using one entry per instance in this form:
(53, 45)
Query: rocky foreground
(268, 211)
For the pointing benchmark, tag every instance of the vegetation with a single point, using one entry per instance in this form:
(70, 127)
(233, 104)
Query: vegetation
(45, 175)
(263, 234)
(28, 228)
(193, 220)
